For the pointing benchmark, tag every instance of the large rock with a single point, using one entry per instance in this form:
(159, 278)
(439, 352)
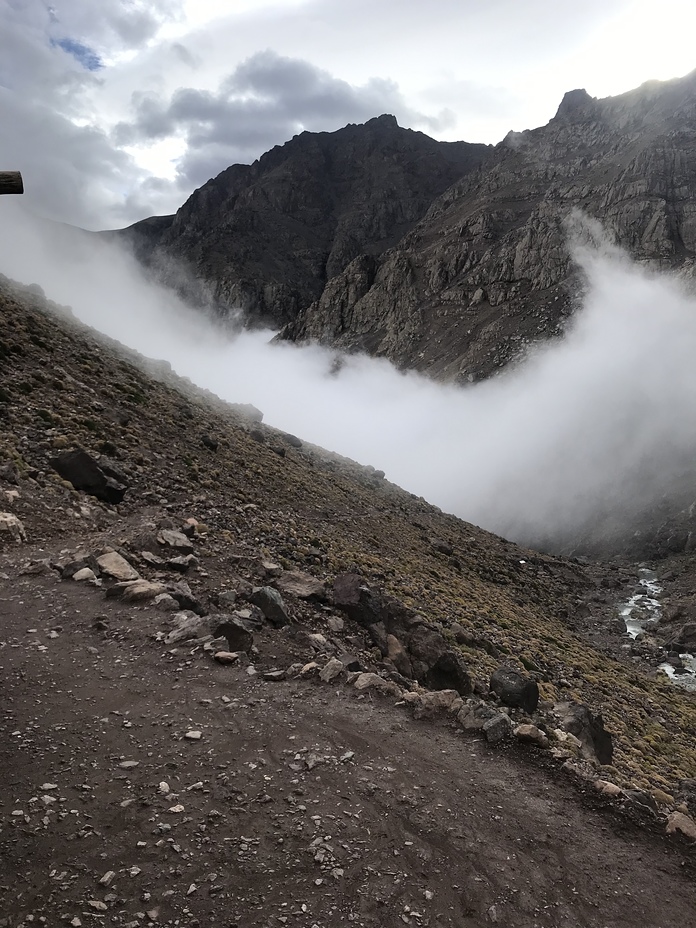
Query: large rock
(515, 689)
(12, 526)
(84, 473)
(588, 727)
(235, 630)
(302, 585)
(270, 602)
(135, 591)
(113, 565)
(354, 596)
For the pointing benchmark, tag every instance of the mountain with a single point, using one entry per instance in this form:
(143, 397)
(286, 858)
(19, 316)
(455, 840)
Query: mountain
(487, 270)
(246, 680)
(447, 258)
(267, 237)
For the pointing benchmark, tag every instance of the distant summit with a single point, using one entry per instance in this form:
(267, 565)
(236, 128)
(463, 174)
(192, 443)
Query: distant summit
(268, 237)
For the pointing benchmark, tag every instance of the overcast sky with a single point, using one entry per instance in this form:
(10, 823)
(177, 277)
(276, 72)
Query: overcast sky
(117, 109)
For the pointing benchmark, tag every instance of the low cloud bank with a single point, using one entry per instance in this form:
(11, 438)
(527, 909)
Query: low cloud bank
(576, 442)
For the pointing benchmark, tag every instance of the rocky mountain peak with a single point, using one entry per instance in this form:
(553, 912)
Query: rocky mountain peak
(575, 103)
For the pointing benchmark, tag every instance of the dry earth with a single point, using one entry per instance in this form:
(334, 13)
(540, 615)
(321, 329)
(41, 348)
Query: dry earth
(302, 802)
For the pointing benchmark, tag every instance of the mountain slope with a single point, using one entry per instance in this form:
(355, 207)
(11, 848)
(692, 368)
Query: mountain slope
(266, 497)
(267, 237)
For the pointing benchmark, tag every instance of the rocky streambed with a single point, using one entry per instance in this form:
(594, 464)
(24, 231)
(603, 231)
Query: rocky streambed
(642, 614)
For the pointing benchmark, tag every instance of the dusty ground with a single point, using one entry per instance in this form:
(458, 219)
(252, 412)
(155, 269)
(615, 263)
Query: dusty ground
(301, 804)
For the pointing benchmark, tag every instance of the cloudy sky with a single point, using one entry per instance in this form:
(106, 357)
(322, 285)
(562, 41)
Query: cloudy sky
(117, 109)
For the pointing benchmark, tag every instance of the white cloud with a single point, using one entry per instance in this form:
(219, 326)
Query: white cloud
(580, 438)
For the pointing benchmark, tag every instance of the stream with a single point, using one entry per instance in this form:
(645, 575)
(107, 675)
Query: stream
(642, 612)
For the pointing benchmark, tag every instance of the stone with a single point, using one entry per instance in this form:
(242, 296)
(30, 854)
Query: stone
(170, 538)
(530, 734)
(226, 657)
(84, 574)
(588, 727)
(371, 681)
(473, 716)
(182, 563)
(398, 655)
(81, 470)
(270, 602)
(352, 595)
(12, 526)
(515, 689)
(332, 669)
(166, 603)
(135, 591)
(274, 676)
(235, 630)
(187, 625)
(114, 565)
(302, 585)
(677, 822)
(193, 735)
(427, 704)
(498, 728)
(182, 593)
(608, 789)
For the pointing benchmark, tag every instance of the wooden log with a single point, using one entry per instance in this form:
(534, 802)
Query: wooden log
(11, 182)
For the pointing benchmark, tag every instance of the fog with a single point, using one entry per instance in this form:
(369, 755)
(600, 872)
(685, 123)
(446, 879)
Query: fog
(576, 439)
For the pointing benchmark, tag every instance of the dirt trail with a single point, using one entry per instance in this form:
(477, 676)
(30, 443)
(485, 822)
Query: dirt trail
(300, 805)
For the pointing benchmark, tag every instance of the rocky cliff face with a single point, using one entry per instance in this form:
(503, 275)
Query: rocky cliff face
(268, 237)
(447, 258)
(487, 269)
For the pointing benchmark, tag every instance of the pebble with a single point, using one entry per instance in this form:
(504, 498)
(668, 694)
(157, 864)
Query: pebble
(193, 735)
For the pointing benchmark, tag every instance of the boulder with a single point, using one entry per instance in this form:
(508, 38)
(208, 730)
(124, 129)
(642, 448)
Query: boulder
(685, 638)
(84, 574)
(677, 822)
(238, 636)
(270, 602)
(371, 681)
(302, 585)
(113, 565)
(135, 591)
(530, 734)
(332, 669)
(427, 704)
(397, 654)
(354, 597)
(588, 727)
(188, 625)
(12, 526)
(170, 538)
(84, 473)
(515, 689)
(498, 728)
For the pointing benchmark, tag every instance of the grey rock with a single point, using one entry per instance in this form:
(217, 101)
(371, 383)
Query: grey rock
(270, 602)
(498, 728)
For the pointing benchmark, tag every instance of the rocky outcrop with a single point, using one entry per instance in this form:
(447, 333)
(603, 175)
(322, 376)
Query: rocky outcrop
(487, 270)
(266, 238)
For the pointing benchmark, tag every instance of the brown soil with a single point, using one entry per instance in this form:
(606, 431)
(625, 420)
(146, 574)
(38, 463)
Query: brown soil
(280, 824)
